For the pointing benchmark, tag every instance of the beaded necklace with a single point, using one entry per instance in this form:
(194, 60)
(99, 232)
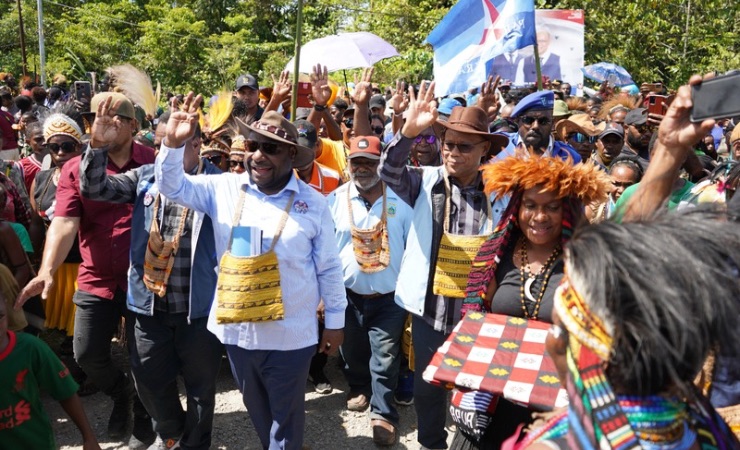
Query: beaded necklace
(525, 288)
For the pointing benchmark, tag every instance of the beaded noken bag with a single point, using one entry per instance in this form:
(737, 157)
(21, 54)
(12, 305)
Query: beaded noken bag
(160, 254)
(371, 246)
(456, 253)
(248, 287)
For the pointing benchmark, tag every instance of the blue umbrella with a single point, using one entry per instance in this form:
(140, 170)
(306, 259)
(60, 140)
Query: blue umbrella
(604, 71)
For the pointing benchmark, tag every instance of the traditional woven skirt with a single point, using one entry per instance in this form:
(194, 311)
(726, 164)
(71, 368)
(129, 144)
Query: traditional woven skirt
(59, 308)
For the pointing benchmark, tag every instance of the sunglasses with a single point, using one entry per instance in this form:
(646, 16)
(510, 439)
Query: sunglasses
(268, 148)
(67, 147)
(430, 139)
(462, 148)
(378, 130)
(215, 159)
(581, 138)
(348, 122)
(235, 163)
(644, 128)
(38, 139)
(542, 121)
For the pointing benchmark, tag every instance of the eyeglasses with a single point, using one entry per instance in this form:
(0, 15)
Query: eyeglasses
(235, 163)
(430, 139)
(215, 159)
(66, 147)
(462, 148)
(542, 121)
(348, 122)
(581, 138)
(268, 148)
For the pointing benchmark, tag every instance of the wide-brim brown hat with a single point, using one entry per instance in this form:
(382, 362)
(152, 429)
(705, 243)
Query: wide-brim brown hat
(580, 123)
(473, 120)
(275, 127)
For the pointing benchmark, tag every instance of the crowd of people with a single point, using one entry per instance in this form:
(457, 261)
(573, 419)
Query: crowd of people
(368, 225)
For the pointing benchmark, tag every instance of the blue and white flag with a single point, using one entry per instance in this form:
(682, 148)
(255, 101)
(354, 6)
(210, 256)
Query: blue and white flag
(472, 34)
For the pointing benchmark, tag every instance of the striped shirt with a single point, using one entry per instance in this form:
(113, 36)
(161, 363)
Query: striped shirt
(467, 210)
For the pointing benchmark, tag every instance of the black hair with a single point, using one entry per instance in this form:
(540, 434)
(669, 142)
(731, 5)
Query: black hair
(339, 103)
(23, 102)
(668, 289)
(33, 127)
(630, 161)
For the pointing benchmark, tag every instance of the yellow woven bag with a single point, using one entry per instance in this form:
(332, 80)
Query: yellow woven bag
(456, 253)
(248, 287)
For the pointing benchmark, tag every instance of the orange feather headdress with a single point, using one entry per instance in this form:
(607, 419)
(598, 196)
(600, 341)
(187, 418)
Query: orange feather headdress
(583, 181)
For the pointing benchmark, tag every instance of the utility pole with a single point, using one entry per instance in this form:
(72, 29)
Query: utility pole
(297, 59)
(24, 64)
(42, 50)
(686, 32)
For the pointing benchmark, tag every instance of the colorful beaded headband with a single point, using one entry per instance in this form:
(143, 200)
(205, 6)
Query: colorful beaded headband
(580, 322)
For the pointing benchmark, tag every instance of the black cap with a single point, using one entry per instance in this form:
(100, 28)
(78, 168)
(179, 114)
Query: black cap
(377, 101)
(307, 135)
(637, 116)
(246, 80)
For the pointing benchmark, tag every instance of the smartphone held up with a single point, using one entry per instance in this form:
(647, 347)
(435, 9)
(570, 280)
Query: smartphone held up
(716, 98)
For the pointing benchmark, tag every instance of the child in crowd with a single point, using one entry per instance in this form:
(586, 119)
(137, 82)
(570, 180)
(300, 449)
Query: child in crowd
(26, 366)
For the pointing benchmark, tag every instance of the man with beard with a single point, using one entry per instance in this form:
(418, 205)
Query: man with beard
(270, 333)
(246, 99)
(371, 225)
(534, 115)
(638, 133)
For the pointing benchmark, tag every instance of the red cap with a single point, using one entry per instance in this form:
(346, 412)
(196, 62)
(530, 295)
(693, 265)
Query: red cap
(366, 147)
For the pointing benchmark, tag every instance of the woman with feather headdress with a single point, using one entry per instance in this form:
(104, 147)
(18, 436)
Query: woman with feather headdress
(517, 269)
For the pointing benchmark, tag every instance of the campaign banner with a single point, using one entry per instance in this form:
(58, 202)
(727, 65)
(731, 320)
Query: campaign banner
(561, 48)
(474, 32)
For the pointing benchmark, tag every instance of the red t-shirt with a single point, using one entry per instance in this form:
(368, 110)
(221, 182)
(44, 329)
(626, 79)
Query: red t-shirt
(10, 140)
(105, 228)
(29, 167)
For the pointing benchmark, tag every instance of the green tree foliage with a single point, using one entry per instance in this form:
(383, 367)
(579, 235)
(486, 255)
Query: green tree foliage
(667, 40)
(204, 44)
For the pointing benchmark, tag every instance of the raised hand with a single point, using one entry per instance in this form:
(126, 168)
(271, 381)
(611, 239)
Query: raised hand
(399, 102)
(363, 87)
(181, 125)
(320, 90)
(488, 98)
(282, 87)
(107, 125)
(676, 130)
(422, 111)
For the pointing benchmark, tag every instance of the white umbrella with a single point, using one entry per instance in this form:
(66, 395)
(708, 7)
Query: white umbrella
(343, 51)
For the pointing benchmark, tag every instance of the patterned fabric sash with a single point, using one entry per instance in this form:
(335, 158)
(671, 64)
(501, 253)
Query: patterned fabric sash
(248, 287)
(159, 257)
(456, 253)
(371, 246)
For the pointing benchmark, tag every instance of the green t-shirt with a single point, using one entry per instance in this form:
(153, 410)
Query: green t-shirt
(676, 198)
(28, 365)
(23, 236)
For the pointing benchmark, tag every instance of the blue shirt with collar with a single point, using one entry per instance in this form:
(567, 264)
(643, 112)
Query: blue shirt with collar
(399, 217)
(308, 258)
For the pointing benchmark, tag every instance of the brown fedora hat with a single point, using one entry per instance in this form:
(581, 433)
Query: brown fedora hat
(274, 126)
(472, 120)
